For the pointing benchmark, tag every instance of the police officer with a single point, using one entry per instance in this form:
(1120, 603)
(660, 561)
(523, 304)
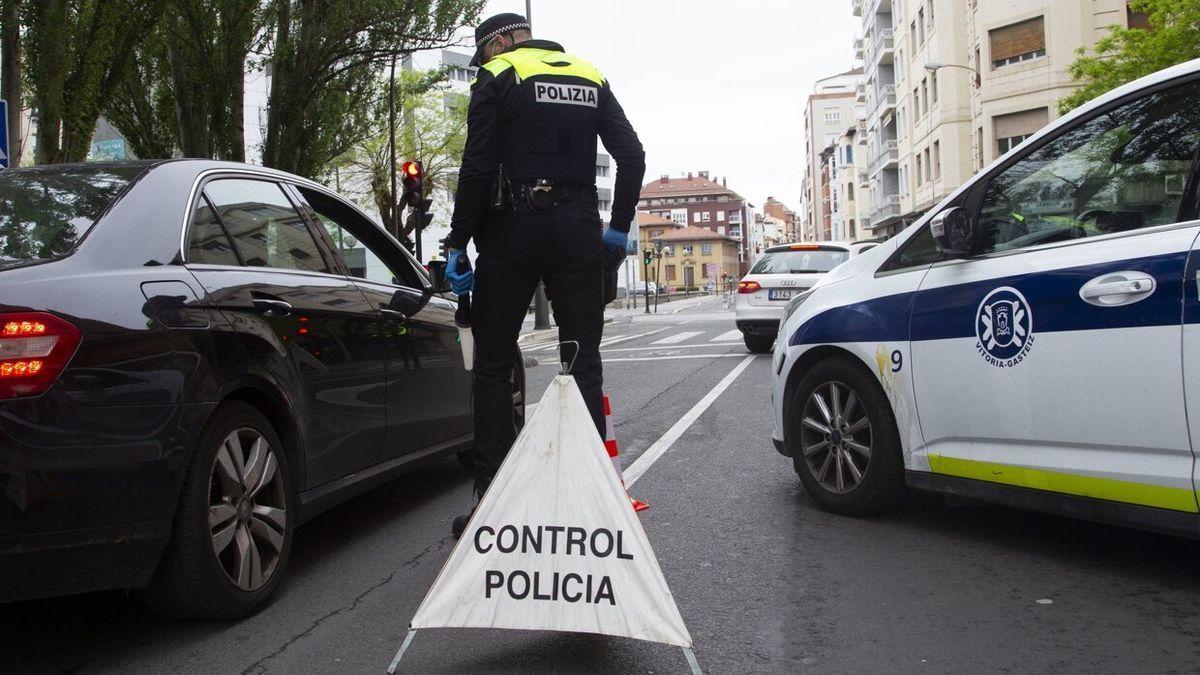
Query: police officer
(527, 195)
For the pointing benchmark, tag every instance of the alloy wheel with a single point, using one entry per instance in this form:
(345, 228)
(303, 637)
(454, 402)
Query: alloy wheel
(835, 437)
(247, 513)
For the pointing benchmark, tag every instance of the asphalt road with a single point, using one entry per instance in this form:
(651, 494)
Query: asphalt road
(765, 581)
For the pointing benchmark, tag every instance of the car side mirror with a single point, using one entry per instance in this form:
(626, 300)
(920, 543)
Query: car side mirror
(437, 270)
(953, 231)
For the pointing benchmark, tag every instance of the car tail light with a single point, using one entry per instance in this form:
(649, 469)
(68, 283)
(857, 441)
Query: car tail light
(35, 347)
(745, 287)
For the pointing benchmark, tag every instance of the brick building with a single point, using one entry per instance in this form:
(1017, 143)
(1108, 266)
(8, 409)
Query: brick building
(696, 200)
(774, 208)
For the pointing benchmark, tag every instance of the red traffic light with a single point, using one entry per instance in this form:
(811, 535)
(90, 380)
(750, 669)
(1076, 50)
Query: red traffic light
(411, 168)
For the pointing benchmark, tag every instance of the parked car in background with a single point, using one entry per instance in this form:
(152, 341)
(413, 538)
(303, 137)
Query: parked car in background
(781, 273)
(1032, 341)
(196, 357)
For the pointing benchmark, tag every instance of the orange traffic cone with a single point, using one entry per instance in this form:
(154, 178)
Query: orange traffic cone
(610, 442)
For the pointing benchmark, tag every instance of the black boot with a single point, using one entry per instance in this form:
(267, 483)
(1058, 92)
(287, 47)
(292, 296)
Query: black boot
(460, 522)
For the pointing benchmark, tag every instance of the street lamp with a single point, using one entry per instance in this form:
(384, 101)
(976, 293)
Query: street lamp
(934, 67)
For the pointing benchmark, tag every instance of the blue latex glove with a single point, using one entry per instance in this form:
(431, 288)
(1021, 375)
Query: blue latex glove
(462, 282)
(615, 239)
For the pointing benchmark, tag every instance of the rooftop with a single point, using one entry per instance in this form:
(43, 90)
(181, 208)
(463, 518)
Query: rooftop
(689, 185)
(649, 219)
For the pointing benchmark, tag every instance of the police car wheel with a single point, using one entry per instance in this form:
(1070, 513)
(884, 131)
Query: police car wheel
(846, 446)
(759, 344)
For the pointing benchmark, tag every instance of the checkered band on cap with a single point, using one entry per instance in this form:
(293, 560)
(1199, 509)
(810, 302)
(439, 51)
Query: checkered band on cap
(500, 31)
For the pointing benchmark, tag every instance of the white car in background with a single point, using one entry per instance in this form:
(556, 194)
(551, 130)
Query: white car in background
(781, 273)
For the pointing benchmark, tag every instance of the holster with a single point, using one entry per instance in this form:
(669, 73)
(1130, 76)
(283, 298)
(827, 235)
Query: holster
(501, 193)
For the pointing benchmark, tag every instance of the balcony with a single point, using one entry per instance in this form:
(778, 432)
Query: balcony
(885, 156)
(858, 48)
(856, 7)
(885, 208)
(860, 92)
(883, 101)
(864, 179)
(882, 46)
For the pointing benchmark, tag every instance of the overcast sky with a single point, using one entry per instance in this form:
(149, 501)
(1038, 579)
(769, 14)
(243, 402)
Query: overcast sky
(709, 85)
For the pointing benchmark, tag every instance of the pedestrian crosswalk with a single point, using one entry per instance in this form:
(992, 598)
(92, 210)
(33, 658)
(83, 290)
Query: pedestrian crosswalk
(630, 337)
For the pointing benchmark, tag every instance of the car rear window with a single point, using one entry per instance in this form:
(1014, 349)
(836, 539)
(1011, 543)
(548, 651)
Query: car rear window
(800, 261)
(45, 212)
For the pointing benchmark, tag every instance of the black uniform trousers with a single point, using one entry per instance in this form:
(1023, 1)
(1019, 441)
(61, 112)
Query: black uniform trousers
(560, 246)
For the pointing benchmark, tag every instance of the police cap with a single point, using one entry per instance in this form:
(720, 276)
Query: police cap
(496, 25)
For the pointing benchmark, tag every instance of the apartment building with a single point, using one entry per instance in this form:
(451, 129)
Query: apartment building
(697, 257)
(778, 210)
(767, 231)
(698, 200)
(949, 85)
(830, 108)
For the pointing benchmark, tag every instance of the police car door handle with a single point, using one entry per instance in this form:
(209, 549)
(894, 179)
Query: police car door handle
(1117, 289)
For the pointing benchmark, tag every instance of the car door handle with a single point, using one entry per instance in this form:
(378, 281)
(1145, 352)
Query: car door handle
(1118, 289)
(392, 314)
(273, 307)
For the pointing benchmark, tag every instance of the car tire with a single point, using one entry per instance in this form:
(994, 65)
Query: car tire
(253, 530)
(831, 465)
(759, 344)
(466, 458)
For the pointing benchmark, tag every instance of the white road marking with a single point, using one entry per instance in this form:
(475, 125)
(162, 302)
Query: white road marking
(672, 349)
(678, 337)
(733, 335)
(655, 451)
(623, 338)
(672, 358)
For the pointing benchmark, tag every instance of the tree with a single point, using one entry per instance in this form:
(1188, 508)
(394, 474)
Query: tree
(77, 53)
(185, 86)
(11, 87)
(1125, 54)
(432, 130)
(325, 58)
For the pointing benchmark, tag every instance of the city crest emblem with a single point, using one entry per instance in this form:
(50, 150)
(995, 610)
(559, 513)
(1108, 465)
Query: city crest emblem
(1004, 327)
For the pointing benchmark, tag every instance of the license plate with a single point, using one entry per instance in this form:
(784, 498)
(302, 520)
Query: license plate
(780, 294)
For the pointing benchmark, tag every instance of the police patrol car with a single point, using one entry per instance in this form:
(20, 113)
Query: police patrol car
(1034, 340)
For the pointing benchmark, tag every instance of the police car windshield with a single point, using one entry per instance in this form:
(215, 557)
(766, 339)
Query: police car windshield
(800, 262)
(45, 212)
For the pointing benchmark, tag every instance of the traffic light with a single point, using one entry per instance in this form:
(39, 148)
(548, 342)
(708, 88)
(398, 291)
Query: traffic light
(412, 174)
(646, 258)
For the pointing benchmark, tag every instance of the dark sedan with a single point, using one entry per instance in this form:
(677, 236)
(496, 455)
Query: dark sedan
(195, 358)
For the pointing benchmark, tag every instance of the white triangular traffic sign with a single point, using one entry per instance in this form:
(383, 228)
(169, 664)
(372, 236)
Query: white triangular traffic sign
(555, 544)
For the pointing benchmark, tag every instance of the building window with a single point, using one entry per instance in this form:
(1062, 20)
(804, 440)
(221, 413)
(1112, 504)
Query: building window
(903, 175)
(720, 216)
(931, 15)
(928, 169)
(924, 96)
(706, 217)
(605, 205)
(900, 59)
(933, 85)
(689, 249)
(696, 217)
(913, 27)
(916, 104)
(1018, 42)
(921, 24)
(1010, 130)
(670, 273)
(601, 171)
(849, 192)
(918, 170)
(833, 116)
(705, 249)
(979, 149)
(937, 159)
(901, 123)
(679, 217)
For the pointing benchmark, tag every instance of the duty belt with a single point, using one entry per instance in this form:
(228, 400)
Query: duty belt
(543, 193)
